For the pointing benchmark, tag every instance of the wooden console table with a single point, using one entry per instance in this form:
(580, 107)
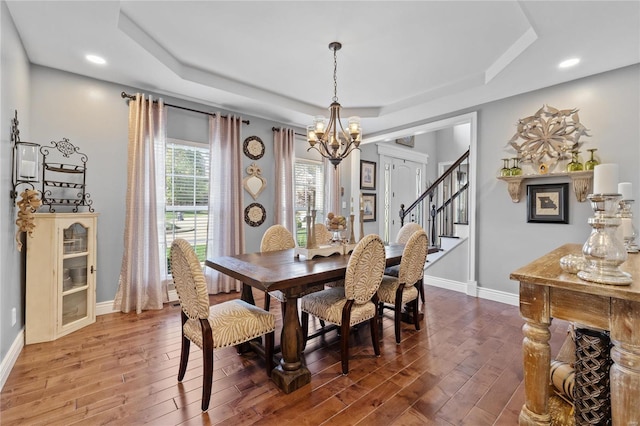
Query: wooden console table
(547, 292)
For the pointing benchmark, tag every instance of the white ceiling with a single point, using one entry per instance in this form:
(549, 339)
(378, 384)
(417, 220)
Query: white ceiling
(401, 62)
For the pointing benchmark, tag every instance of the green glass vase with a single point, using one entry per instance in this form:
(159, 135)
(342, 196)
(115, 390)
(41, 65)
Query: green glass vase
(505, 170)
(575, 165)
(515, 168)
(592, 162)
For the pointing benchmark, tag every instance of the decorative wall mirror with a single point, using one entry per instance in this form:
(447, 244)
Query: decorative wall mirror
(254, 183)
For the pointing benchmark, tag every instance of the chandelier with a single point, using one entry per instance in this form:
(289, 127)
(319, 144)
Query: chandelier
(329, 138)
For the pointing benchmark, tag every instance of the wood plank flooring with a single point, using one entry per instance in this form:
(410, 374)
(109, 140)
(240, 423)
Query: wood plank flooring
(464, 367)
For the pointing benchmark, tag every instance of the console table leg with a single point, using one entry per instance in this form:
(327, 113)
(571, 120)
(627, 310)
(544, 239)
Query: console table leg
(625, 370)
(536, 359)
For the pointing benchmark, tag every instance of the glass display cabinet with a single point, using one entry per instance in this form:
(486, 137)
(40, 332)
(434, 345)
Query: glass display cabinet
(61, 275)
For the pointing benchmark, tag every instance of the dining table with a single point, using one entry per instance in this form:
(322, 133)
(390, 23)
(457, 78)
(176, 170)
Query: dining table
(285, 271)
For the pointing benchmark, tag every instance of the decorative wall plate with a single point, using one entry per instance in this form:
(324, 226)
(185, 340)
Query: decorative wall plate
(255, 214)
(254, 184)
(253, 147)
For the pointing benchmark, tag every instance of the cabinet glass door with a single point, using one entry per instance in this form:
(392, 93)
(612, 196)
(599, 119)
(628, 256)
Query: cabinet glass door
(74, 271)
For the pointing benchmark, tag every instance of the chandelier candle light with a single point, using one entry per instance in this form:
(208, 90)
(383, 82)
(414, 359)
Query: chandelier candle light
(603, 250)
(330, 139)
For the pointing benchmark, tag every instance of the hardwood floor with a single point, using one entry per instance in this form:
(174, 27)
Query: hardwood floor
(464, 367)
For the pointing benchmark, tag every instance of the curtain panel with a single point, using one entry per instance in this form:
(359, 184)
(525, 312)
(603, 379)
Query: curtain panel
(142, 284)
(284, 153)
(226, 214)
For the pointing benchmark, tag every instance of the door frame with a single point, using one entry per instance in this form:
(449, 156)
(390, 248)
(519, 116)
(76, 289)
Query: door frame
(470, 118)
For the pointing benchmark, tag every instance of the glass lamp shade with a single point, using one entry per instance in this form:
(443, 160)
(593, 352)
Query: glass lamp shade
(319, 122)
(27, 165)
(354, 127)
(311, 135)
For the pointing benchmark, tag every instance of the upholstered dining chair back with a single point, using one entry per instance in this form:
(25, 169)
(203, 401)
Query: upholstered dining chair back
(323, 235)
(277, 237)
(365, 270)
(414, 257)
(189, 280)
(209, 327)
(406, 231)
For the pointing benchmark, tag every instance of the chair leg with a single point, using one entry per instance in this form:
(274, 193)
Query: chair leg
(304, 319)
(207, 355)
(184, 358)
(398, 316)
(416, 319)
(184, 353)
(268, 351)
(421, 289)
(375, 339)
(344, 347)
(267, 301)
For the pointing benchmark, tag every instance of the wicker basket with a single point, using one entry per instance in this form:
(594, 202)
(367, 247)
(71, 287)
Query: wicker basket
(592, 393)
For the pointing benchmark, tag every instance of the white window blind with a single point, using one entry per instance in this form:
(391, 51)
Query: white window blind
(308, 177)
(187, 193)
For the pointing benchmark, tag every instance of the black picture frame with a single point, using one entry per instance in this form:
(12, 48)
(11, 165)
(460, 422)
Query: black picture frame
(367, 175)
(548, 203)
(369, 207)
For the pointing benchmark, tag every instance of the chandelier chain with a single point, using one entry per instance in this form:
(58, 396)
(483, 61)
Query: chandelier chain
(335, 76)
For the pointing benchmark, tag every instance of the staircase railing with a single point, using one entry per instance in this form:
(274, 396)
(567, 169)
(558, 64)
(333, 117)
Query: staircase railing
(447, 201)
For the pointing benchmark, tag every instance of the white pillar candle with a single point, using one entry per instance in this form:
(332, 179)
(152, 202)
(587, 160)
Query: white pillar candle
(605, 179)
(624, 188)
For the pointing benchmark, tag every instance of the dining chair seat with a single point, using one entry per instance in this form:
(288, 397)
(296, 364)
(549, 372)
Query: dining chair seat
(328, 306)
(211, 327)
(389, 287)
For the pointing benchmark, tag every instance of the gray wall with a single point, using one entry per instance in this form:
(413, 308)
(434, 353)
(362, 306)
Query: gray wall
(14, 70)
(609, 106)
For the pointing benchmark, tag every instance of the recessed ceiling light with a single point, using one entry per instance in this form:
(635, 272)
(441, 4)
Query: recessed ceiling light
(96, 59)
(569, 63)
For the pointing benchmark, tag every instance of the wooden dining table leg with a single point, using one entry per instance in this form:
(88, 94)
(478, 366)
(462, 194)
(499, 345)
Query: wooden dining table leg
(291, 374)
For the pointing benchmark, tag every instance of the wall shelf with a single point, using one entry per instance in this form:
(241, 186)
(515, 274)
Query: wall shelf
(581, 182)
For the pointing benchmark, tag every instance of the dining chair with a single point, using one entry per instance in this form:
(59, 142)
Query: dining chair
(276, 237)
(354, 303)
(212, 327)
(401, 290)
(323, 235)
(403, 236)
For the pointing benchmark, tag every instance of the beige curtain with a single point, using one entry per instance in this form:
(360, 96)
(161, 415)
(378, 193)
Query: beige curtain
(226, 213)
(332, 188)
(284, 153)
(141, 285)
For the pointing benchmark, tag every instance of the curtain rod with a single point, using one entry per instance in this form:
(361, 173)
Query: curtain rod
(132, 97)
(273, 129)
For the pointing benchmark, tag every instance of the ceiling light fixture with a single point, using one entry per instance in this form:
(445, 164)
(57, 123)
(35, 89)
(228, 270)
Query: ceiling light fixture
(330, 139)
(568, 63)
(95, 59)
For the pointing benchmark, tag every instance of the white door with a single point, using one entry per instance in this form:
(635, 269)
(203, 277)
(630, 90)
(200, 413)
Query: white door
(404, 188)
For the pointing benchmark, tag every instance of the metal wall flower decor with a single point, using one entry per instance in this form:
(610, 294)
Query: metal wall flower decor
(548, 136)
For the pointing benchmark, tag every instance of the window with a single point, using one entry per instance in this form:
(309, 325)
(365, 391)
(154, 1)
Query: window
(187, 194)
(309, 177)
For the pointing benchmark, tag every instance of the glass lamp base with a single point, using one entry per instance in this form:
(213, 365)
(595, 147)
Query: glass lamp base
(613, 277)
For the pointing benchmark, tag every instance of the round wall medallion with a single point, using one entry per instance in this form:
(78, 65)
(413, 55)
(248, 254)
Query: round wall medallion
(543, 169)
(253, 147)
(255, 214)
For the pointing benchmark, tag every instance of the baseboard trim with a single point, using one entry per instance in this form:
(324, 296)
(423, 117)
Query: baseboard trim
(472, 289)
(103, 308)
(10, 359)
